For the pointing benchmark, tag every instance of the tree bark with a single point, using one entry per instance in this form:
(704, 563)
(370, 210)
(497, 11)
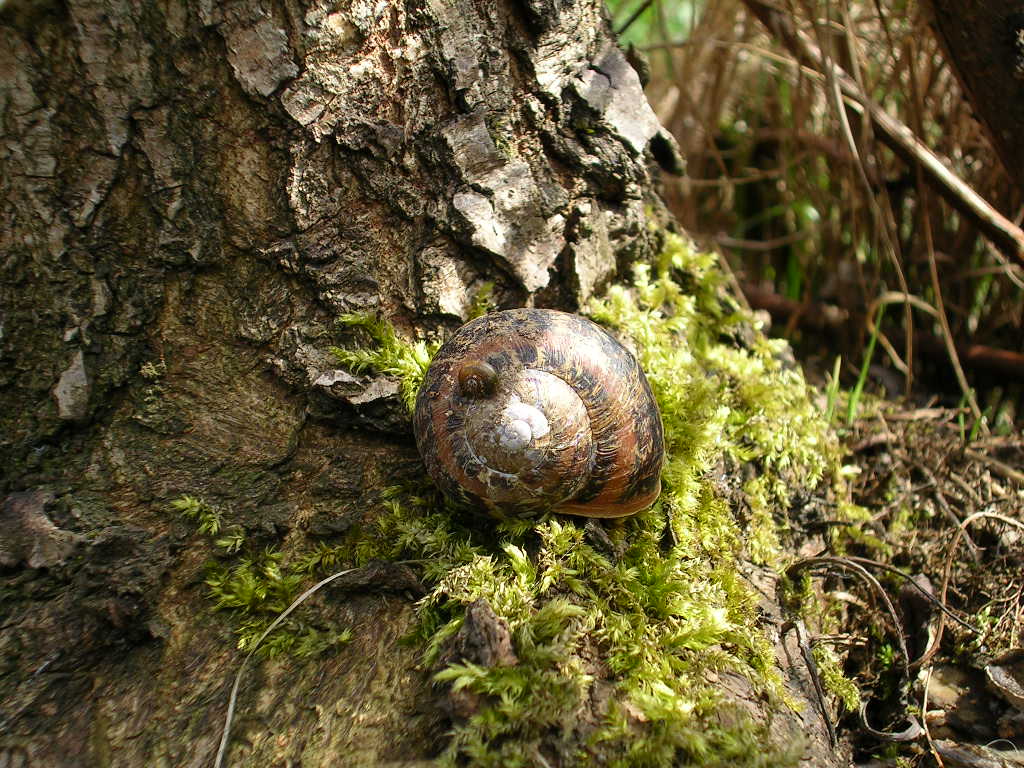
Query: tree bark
(192, 193)
(984, 42)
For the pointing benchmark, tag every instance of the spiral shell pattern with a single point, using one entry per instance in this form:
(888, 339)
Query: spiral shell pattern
(530, 410)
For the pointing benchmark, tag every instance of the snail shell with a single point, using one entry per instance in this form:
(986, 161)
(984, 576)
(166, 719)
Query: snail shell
(531, 410)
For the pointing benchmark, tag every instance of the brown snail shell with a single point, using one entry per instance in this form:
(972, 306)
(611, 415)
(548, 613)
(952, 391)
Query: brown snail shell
(531, 410)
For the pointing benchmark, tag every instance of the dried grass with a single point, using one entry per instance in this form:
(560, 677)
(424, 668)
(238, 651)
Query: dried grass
(804, 197)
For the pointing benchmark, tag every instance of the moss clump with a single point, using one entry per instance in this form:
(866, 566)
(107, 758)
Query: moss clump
(389, 355)
(719, 399)
(832, 677)
(483, 301)
(646, 631)
(256, 588)
(208, 519)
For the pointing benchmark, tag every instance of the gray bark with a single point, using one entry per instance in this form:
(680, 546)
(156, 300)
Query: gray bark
(192, 192)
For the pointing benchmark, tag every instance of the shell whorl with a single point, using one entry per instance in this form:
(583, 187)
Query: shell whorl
(567, 422)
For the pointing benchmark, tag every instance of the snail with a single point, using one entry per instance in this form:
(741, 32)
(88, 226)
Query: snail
(527, 411)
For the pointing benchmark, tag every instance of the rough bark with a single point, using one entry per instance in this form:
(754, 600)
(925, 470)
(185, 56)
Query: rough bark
(192, 192)
(984, 42)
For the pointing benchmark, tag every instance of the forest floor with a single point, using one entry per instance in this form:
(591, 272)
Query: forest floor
(923, 598)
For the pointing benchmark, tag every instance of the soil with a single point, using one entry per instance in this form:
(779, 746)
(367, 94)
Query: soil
(923, 597)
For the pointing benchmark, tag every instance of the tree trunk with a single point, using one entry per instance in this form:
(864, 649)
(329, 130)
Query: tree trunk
(193, 192)
(984, 42)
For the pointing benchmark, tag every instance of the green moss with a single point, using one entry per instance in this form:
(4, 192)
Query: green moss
(256, 588)
(718, 399)
(208, 519)
(389, 356)
(483, 301)
(833, 679)
(649, 630)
